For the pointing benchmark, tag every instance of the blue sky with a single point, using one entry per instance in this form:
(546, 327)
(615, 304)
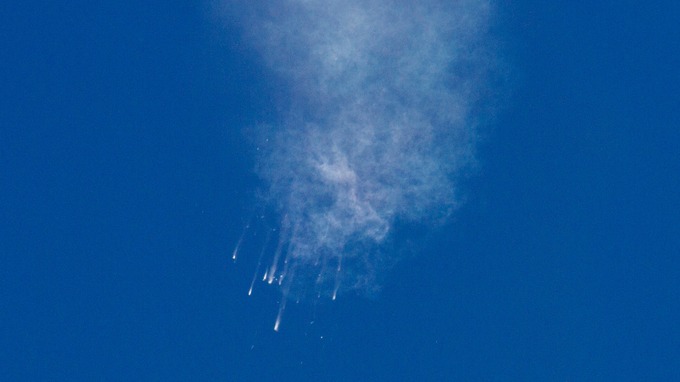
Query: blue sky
(127, 179)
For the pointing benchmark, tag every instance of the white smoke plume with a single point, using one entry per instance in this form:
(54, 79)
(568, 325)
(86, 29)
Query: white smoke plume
(378, 125)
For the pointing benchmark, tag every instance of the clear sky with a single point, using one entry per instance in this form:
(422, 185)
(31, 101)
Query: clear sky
(127, 177)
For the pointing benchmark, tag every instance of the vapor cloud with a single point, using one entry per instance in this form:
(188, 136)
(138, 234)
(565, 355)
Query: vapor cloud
(379, 124)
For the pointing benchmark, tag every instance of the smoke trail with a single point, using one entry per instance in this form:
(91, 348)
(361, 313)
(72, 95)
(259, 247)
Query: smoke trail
(378, 125)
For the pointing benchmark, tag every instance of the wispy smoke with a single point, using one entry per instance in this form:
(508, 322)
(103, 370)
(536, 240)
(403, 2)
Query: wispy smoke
(378, 126)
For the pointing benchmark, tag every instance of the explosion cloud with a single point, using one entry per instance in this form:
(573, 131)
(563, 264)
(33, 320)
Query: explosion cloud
(380, 120)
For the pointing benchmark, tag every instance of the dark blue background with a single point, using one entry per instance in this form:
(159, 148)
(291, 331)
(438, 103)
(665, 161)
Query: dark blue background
(125, 181)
